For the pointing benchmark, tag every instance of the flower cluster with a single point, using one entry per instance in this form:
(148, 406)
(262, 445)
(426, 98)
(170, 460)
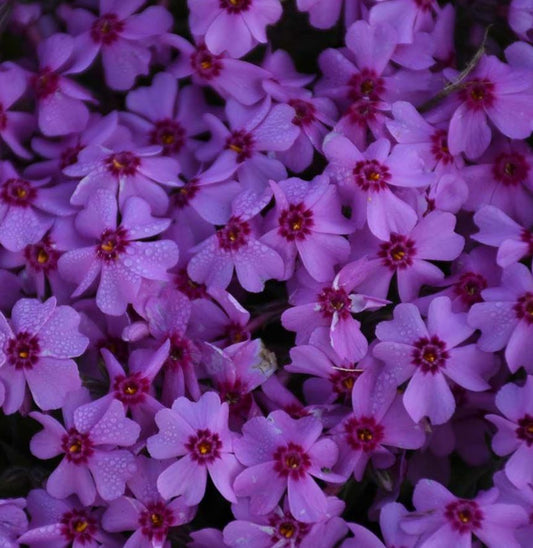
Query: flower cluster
(266, 273)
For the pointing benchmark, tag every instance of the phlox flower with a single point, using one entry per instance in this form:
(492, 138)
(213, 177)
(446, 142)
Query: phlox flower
(236, 245)
(146, 513)
(505, 318)
(282, 454)
(116, 254)
(378, 420)
(197, 433)
(89, 441)
(493, 91)
(64, 522)
(122, 37)
(36, 350)
(427, 354)
(445, 519)
(234, 26)
(514, 436)
(308, 225)
(366, 179)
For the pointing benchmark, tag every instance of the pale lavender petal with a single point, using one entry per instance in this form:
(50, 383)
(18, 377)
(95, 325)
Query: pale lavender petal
(68, 479)
(263, 485)
(223, 471)
(50, 380)
(307, 501)
(406, 327)
(114, 428)
(111, 470)
(428, 395)
(185, 477)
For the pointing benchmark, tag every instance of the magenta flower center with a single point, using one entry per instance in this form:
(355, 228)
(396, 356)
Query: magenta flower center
(23, 350)
(168, 133)
(132, 389)
(77, 525)
(527, 237)
(510, 169)
(69, 156)
(204, 447)
(235, 6)
(235, 393)
(236, 333)
(112, 244)
(304, 112)
(366, 84)
(430, 354)
(398, 252)
(361, 112)
(524, 431)
(439, 147)
(469, 288)
(45, 83)
(291, 460)
(77, 447)
(363, 433)
(425, 5)
(42, 256)
(184, 194)
(295, 223)
(155, 521)
(334, 301)
(106, 29)
(287, 528)
(180, 355)
(17, 192)
(3, 118)
(524, 308)
(122, 163)
(478, 94)
(241, 142)
(343, 381)
(371, 175)
(205, 63)
(464, 516)
(234, 235)
(188, 287)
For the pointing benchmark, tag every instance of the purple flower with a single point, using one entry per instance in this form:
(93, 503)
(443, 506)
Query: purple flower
(505, 319)
(122, 37)
(229, 77)
(198, 433)
(428, 354)
(332, 305)
(443, 519)
(146, 513)
(309, 225)
(234, 26)
(281, 528)
(366, 180)
(407, 255)
(26, 209)
(498, 229)
(92, 463)
(13, 521)
(36, 350)
(254, 130)
(495, 91)
(62, 523)
(515, 431)
(128, 171)
(116, 254)
(236, 245)
(378, 421)
(14, 126)
(280, 454)
(61, 109)
(502, 177)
